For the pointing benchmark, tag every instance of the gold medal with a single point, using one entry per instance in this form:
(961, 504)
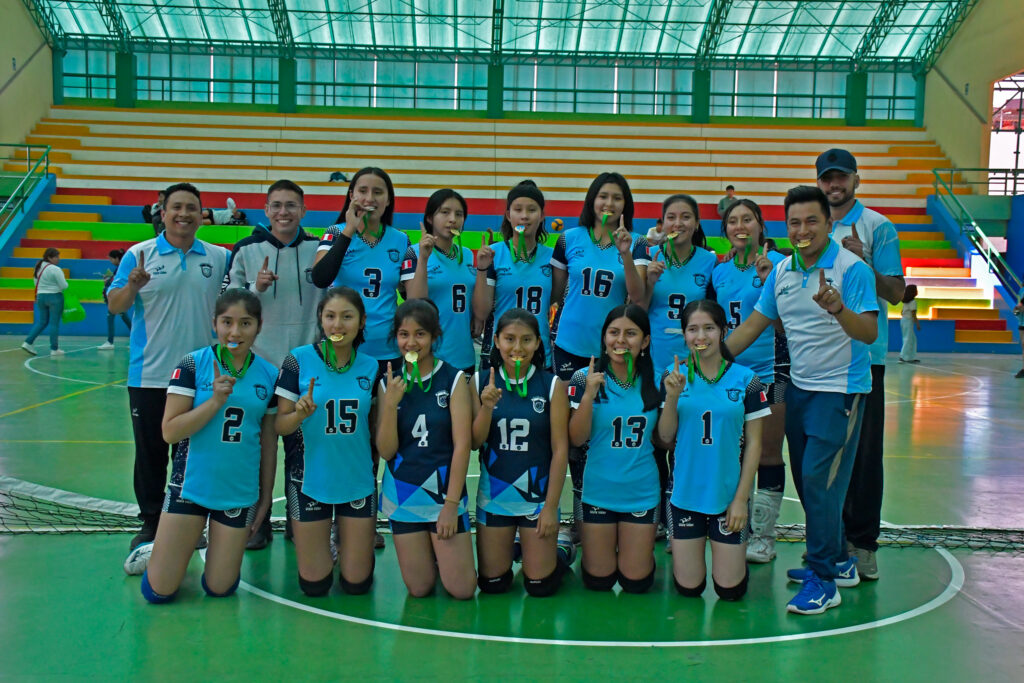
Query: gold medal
(337, 337)
(411, 356)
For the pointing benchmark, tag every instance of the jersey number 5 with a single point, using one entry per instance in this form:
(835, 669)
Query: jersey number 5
(232, 431)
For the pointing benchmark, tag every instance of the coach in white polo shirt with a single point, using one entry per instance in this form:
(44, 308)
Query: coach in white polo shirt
(170, 284)
(825, 297)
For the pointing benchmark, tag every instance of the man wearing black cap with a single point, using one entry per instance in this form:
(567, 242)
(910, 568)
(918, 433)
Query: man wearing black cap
(871, 236)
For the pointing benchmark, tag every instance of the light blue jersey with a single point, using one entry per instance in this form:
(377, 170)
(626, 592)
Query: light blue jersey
(374, 272)
(737, 291)
(621, 474)
(596, 285)
(677, 286)
(218, 467)
(330, 451)
(709, 436)
(521, 284)
(450, 286)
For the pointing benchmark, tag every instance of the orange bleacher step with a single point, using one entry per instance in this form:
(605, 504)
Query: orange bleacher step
(983, 336)
(924, 271)
(928, 189)
(37, 252)
(77, 217)
(910, 219)
(11, 294)
(19, 167)
(26, 273)
(913, 235)
(35, 155)
(56, 143)
(16, 317)
(905, 150)
(94, 200)
(943, 313)
(63, 235)
(76, 130)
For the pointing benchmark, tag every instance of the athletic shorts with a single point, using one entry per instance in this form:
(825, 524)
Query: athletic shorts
(595, 515)
(687, 525)
(566, 364)
(236, 518)
(302, 508)
(782, 374)
(492, 520)
(398, 528)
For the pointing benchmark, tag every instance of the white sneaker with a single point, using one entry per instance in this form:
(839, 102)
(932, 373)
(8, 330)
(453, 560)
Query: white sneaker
(29, 349)
(106, 346)
(57, 352)
(761, 549)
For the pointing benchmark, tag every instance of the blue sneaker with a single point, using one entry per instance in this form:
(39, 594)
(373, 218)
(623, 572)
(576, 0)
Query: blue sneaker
(815, 597)
(846, 574)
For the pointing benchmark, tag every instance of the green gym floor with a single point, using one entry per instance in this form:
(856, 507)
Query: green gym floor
(953, 456)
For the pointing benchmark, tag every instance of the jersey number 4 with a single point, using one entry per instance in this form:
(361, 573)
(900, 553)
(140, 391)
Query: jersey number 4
(420, 431)
(232, 431)
(634, 428)
(342, 415)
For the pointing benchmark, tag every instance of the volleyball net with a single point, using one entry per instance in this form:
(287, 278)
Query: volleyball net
(27, 508)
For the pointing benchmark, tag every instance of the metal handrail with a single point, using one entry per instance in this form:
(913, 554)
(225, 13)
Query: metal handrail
(15, 202)
(996, 181)
(973, 232)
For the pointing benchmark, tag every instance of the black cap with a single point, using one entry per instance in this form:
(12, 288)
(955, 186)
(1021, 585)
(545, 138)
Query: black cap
(835, 160)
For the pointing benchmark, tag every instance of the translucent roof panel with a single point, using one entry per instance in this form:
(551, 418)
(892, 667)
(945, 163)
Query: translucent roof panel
(784, 30)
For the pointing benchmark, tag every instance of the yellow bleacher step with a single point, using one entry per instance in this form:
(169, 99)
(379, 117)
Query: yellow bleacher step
(35, 155)
(61, 129)
(926, 190)
(76, 235)
(945, 313)
(925, 271)
(928, 292)
(19, 167)
(983, 336)
(56, 143)
(16, 317)
(27, 273)
(11, 294)
(75, 216)
(911, 219)
(37, 252)
(93, 200)
(914, 236)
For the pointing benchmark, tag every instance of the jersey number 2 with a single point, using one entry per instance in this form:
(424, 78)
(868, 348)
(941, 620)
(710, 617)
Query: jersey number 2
(232, 432)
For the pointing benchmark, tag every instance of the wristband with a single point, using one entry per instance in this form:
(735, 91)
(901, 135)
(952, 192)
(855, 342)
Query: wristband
(451, 500)
(841, 309)
(482, 270)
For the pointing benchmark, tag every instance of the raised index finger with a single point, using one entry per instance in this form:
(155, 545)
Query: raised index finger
(821, 278)
(142, 259)
(216, 368)
(266, 263)
(853, 232)
(677, 363)
(312, 383)
(590, 368)
(491, 383)
(490, 236)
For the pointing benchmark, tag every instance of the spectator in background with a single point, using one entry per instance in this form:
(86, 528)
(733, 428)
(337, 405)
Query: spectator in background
(1018, 311)
(229, 216)
(115, 257)
(152, 211)
(908, 323)
(49, 306)
(729, 198)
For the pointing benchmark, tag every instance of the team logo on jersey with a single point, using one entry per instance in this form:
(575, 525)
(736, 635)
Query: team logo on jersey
(639, 515)
(723, 528)
(442, 399)
(393, 255)
(700, 279)
(207, 269)
(434, 270)
(358, 504)
(234, 512)
(575, 253)
(785, 290)
(365, 383)
(758, 282)
(538, 403)
(733, 394)
(309, 276)
(545, 270)
(261, 392)
(508, 271)
(158, 270)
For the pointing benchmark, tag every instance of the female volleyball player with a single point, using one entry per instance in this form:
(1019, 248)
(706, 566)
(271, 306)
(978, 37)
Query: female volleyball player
(737, 285)
(713, 407)
(521, 411)
(325, 396)
(441, 269)
(423, 432)
(516, 272)
(220, 405)
(615, 403)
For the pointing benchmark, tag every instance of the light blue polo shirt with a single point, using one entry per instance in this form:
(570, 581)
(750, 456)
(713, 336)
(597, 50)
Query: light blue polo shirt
(881, 252)
(173, 313)
(823, 357)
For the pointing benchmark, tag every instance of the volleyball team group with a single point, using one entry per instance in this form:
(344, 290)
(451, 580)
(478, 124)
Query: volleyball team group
(663, 380)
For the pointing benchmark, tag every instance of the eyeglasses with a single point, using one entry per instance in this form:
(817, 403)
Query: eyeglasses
(290, 207)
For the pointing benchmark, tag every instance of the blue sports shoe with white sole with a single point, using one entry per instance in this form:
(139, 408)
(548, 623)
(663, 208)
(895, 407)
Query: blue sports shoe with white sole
(815, 597)
(846, 574)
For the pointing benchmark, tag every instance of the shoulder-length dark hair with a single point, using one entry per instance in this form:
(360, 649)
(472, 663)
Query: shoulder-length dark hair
(587, 215)
(424, 312)
(436, 201)
(717, 313)
(699, 239)
(350, 295)
(644, 364)
(48, 254)
(523, 317)
(754, 208)
(385, 218)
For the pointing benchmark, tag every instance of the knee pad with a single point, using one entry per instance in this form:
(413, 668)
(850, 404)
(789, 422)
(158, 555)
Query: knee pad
(733, 593)
(598, 583)
(637, 585)
(546, 587)
(358, 588)
(151, 595)
(228, 593)
(317, 589)
(690, 592)
(498, 584)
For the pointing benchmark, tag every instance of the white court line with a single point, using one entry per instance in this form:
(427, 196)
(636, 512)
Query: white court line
(28, 366)
(16, 348)
(927, 399)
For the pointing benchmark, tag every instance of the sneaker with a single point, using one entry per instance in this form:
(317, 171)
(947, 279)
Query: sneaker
(902, 361)
(138, 559)
(30, 350)
(867, 564)
(815, 597)
(202, 541)
(846, 574)
(147, 534)
(57, 352)
(566, 548)
(662, 533)
(517, 548)
(378, 541)
(761, 550)
(262, 538)
(1019, 375)
(106, 346)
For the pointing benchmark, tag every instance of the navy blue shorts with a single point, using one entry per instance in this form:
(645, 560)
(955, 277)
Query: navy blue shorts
(687, 525)
(595, 515)
(492, 520)
(431, 527)
(302, 508)
(236, 518)
(566, 364)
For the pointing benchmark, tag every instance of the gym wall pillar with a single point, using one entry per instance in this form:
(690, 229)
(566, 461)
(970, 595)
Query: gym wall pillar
(287, 92)
(701, 111)
(125, 72)
(857, 99)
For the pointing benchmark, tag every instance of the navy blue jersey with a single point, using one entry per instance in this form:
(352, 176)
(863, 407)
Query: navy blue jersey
(521, 284)
(596, 285)
(515, 460)
(677, 286)
(737, 290)
(374, 272)
(621, 474)
(416, 480)
(711, 419)
(450, 286)
(218, 467)
(330, 452)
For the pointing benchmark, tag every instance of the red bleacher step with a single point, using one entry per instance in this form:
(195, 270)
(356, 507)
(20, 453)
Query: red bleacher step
(999, 324)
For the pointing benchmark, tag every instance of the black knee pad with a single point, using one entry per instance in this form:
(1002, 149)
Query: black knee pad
(598, 583)
(733, 593)
(691, 592)
(637, 585)
(498, 584)
(546, 587)
(229, 592)
(317, 589)
(359, 588)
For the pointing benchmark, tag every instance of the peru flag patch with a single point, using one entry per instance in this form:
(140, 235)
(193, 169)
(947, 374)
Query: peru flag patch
(176, 374)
